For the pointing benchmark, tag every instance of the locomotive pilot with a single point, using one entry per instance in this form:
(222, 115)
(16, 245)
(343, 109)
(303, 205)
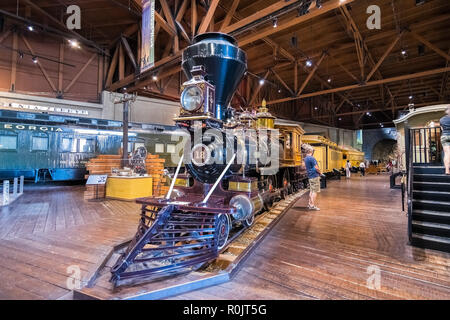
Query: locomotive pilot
(313, 171)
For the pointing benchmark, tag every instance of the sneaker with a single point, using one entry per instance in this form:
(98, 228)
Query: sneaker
(314, 208)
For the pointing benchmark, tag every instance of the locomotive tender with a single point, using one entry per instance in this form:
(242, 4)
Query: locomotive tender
(236, 166)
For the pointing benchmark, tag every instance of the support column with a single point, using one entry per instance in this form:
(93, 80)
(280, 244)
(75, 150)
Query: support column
(125, 134)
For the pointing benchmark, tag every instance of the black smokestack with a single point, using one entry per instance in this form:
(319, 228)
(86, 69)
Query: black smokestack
(224, 62)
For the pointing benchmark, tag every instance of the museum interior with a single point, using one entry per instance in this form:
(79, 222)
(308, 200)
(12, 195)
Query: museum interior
(224, 150)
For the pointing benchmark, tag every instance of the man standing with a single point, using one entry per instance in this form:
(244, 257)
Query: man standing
(362, 167)
(313, 171)
(348, 166)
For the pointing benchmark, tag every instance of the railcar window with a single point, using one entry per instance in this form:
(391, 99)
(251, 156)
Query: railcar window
(139, 144)
(8, 142)
(68, 145)
(159, 147)
(39, 144)
(170, 148)
(87, 145)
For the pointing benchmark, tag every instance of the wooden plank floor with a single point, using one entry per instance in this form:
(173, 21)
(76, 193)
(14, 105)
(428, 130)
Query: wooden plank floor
(49, 229)
(316, 255)
(330, 254)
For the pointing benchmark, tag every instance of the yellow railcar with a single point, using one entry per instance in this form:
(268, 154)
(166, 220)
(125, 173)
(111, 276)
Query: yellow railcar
(354, 156)
(326, 152)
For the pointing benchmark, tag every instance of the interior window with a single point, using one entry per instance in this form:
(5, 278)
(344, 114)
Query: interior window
(40, 144)
(8, 142)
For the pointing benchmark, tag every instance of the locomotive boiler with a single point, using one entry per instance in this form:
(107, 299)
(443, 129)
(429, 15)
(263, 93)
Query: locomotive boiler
(232, 171)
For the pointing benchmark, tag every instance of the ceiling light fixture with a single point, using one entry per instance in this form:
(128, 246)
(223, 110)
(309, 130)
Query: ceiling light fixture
(318, 4)
(261, 82)
(30, 27)
(275, 22)
(154, 77)
(329, 80)
(308, 63)
(34, 59)
(74, 44)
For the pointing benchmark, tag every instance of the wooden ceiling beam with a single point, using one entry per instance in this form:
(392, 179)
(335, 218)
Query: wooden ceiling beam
(383, 57)
(208, 17)
(229, 15)
(430, 45)
(255, 94)
(311, 74)
(258, 15)
(164, 24)
(368, 84)
(291, 22)
(282, 82)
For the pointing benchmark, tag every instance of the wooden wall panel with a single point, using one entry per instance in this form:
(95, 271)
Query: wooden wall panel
(30, 78)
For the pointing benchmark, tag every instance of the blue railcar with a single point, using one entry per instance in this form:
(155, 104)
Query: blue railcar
(46, 147)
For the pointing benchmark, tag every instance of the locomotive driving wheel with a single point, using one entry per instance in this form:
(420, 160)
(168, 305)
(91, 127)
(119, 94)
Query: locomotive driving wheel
(223, 230)
(286, 187)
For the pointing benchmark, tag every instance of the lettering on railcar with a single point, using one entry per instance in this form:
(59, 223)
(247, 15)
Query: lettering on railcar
(30, 127)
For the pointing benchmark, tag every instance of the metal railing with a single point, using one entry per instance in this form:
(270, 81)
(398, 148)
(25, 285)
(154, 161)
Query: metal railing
(422, 146)
(426, 145)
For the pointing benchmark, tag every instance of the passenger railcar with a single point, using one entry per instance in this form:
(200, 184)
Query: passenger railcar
(50, 147)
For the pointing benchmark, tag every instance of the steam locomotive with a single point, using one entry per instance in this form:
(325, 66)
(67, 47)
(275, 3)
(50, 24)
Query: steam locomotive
(236, 166)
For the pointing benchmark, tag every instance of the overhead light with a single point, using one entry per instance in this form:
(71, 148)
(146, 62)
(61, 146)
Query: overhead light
(315, 108)
(308, 63)
(279, 90)
(329, 80)
(410, 97)
(381, 125)
(30, 27)
(124, 88)
(261, 82)
(404, 53)
(318, 4)
(340, 119)
(20, 54)
(154, 77)
(34, 59)
(145, 87)
(275, 22)
(369, 114)
(74, 44)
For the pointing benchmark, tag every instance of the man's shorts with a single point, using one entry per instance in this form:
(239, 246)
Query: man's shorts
(445, 140)
(314, 185)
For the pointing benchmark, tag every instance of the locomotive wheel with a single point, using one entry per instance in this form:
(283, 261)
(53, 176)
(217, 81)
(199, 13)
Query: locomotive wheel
(286, 187)
(271, 183)
(248, 222)
(223, 223)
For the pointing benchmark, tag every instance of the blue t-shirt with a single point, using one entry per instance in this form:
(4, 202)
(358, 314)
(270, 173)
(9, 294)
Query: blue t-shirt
(310, 164)
(445, 125)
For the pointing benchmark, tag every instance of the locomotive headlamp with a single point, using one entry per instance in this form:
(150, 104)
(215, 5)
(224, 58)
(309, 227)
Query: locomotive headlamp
(192, 98)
